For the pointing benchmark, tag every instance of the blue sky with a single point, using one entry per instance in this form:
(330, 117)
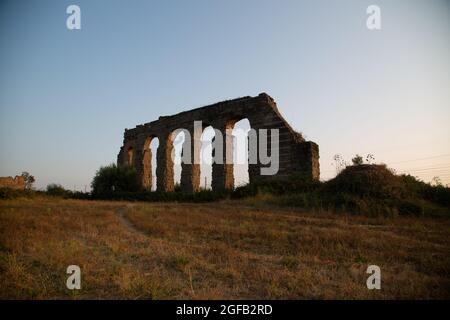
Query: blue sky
(66, 96)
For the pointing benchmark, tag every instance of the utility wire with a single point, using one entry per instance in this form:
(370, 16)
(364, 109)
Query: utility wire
(428, 169)
(432, 157)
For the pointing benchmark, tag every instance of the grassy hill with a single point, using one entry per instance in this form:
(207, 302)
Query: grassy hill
(227, 249)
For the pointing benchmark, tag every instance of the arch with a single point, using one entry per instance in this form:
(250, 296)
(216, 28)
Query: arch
(206, 158)
(154, 161)
(149, 162)
(240, 152)
(178, 138)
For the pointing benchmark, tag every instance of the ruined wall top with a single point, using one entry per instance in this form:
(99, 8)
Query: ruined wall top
(261, 111)
(294, 155)
(18, 182)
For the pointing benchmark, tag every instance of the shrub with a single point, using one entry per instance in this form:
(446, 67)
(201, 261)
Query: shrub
(241, 192)
(115, 180)
(9, 194)
(366, 181)
(357, 160)
(438, 194)
(177, 187)
(359, 189)
(57, 190)
(295, 183)
(81, 195)
(368, 189)
(29, 180)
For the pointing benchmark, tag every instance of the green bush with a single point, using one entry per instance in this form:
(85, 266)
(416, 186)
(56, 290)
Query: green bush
(53, 190)
(9, 194)
(295, 183)
(359, 189)
(112, 181)
(357, 160)
(57, 190)
(366, 181)
(438, 194)
(246, 191)
(81, 195)
(177, 187)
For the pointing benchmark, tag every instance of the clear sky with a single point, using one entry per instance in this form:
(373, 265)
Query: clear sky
(67, 95)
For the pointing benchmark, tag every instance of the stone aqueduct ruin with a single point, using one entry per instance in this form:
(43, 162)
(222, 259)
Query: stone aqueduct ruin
(296, 156)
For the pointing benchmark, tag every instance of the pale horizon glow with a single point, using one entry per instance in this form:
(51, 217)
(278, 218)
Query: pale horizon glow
(66, 96)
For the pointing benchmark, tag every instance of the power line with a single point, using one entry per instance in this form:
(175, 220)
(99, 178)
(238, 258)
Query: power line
(442, 170)
(425, 171)
(432, 157)
(412, 169)
(437, 166)
(428, 169)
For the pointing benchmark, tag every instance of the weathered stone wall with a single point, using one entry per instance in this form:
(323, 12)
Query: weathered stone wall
(296, 156)
(18, 182)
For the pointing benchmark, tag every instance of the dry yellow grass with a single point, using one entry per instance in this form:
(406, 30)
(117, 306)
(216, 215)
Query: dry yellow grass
(223, 250)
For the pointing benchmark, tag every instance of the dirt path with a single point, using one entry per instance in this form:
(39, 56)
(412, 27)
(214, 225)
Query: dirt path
(121, 214)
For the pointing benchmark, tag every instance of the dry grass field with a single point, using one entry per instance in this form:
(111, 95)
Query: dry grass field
(222, 250)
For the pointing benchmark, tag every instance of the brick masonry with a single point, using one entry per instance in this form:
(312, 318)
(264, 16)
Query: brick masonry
(18, 182)
(296, 156)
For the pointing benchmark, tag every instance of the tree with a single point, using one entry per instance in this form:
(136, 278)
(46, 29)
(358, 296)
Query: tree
(339, 163)
(370, 158)
(436, 181)
(115, 179)
(29, 180)
(357, 160)
(54, 189)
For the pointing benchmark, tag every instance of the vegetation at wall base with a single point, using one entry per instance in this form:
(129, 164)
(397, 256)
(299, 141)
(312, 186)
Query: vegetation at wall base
(366, 189)
(9, 194)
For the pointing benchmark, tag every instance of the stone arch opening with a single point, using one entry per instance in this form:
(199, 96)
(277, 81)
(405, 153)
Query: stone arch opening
(149, 163)
(154, 149)
(240, 152)
(207, 137)
(178, 138)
